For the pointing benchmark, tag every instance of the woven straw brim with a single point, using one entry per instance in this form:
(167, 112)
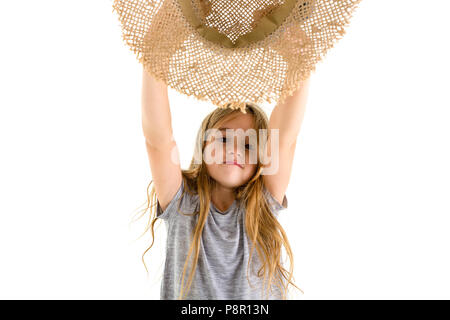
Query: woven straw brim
(265, 69)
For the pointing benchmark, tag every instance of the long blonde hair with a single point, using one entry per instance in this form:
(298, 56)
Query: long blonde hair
(265, 232)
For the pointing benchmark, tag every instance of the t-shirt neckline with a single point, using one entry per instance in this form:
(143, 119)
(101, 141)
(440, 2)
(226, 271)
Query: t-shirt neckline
(231, 207)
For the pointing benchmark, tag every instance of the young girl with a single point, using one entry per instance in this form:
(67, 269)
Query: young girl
(224, 240)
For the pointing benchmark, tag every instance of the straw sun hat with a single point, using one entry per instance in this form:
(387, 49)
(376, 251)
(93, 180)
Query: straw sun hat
(229, 52)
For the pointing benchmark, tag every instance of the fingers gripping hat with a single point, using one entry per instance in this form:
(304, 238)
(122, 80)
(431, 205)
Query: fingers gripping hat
(230, 52)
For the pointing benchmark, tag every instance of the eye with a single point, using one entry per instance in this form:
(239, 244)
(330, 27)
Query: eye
(247, 146)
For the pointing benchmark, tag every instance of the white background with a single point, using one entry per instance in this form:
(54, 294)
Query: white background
(369, 197)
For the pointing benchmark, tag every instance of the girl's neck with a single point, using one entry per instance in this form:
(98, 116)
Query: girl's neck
(222, 197)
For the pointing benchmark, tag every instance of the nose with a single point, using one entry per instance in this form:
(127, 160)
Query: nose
(235, 152)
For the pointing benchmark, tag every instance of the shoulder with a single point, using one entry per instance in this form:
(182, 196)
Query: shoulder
(184, 201)
(273, 203)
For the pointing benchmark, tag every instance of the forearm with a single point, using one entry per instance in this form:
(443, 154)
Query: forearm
(288, 116)
(156, 117)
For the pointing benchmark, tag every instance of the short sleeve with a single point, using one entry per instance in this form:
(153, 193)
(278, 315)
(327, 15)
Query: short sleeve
(273, 203)
(171, 207)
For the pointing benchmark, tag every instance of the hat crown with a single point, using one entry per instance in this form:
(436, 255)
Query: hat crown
(236, 23)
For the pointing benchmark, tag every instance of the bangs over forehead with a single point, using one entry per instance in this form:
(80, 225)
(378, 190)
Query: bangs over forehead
(222, 123)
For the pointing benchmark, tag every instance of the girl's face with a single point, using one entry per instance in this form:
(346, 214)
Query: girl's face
(225, 172)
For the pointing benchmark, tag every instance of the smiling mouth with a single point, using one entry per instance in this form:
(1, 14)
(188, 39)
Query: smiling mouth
(234, 163)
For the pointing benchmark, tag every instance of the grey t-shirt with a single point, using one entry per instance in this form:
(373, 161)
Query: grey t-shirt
(221, 272)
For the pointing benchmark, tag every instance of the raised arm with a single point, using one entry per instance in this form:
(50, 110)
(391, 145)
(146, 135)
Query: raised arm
(287, 118)
(161, 147)
(156, 117)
